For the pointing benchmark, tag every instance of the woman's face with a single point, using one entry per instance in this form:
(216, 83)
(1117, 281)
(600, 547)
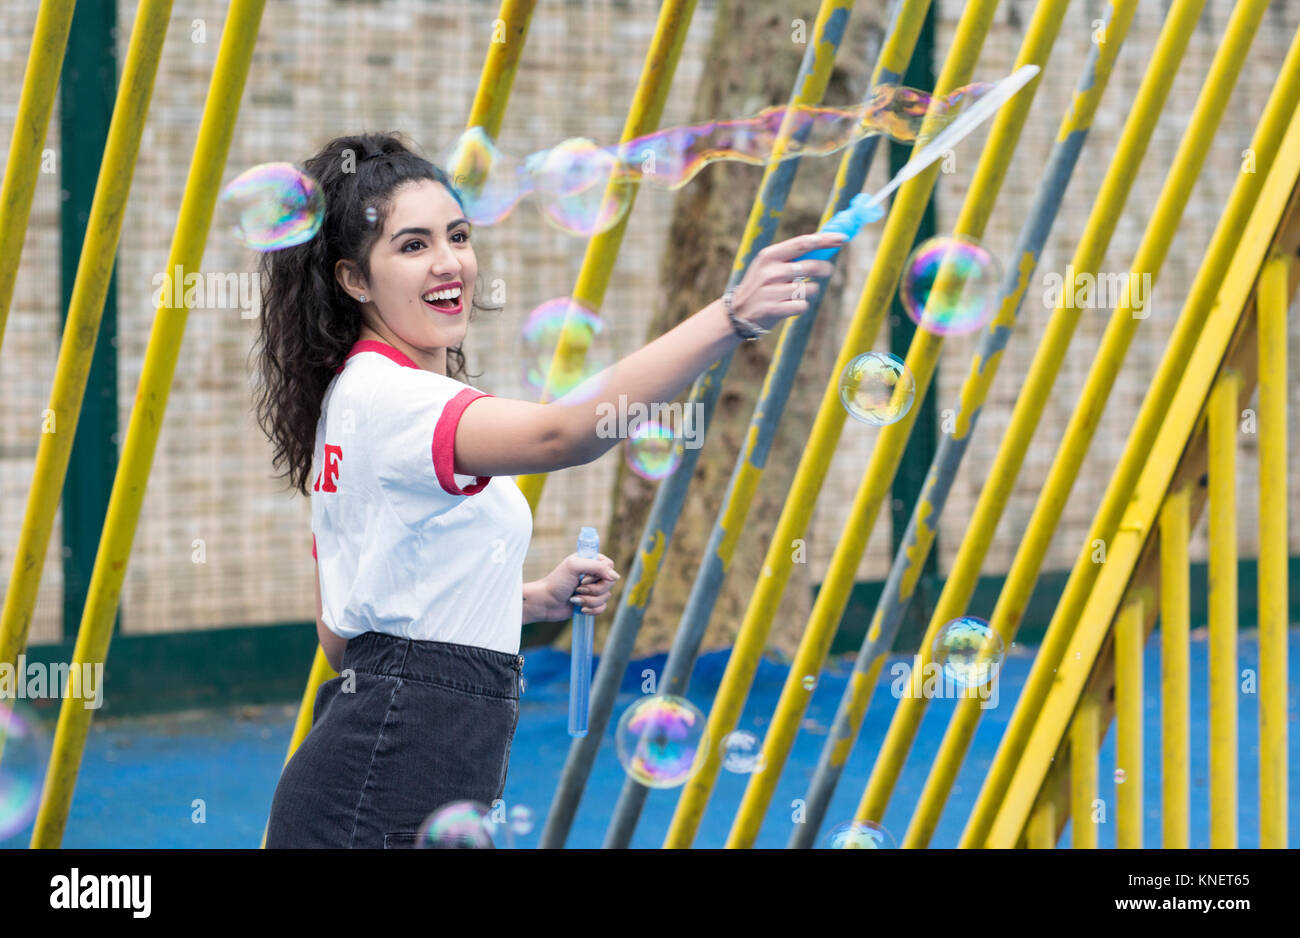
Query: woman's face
(424, 249)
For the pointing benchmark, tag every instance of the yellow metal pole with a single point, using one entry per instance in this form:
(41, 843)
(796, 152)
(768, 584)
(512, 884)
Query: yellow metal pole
(1129, 639)
(1272, 312)
(1178, 457)
(900, 230)
(44, 63)
(499, 69)
(94, 269)
(1083, 775)
(922, 358)
(1042, 826)
(1175, 669)
(495, 83)
(1036, 390)
(643, 118)
(96, 630)
(1223, 611)
(1210, 105)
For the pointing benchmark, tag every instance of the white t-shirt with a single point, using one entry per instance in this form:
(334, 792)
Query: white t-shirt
(404, 545)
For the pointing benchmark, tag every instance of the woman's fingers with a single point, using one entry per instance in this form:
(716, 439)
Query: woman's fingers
(810, 269)
(608, 563)
(801, 245)
(784, 274)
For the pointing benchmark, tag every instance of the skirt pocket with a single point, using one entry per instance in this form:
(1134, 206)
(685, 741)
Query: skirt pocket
(400, 840)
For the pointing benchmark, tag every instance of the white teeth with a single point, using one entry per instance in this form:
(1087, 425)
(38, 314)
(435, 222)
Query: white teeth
(451, 294)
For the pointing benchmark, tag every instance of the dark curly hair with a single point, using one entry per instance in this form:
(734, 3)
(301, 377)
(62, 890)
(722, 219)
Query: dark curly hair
(309, 322)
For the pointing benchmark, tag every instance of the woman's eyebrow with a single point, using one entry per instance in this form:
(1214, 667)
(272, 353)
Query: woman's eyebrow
(426, 232)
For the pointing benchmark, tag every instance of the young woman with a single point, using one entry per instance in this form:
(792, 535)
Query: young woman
(419, 531)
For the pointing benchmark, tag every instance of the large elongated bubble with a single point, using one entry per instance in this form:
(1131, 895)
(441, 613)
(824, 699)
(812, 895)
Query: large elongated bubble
(586, 189)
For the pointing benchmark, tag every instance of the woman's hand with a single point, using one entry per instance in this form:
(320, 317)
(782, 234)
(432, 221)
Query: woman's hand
(773, 288)
(561, 587)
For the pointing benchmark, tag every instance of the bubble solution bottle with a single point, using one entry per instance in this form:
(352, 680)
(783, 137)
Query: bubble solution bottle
(583, 637)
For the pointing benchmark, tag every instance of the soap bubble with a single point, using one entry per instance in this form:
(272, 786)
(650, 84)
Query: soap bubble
(659, 739)
(572, 183)
(741, 752)
(521, 819)
(653, 451)
(273, 206)
(1120, 776)
(809, 681)
(969, 651)
(859, 835)
(877, 389)
(464, 825)
(964, 298)
(585, 356)
(584, 188)
(488, 182)
(22, 766)
(372, 214)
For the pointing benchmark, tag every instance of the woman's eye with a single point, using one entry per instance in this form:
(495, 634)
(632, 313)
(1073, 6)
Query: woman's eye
(419, 244)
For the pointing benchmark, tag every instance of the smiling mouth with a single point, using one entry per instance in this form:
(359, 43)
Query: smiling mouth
(447, 302)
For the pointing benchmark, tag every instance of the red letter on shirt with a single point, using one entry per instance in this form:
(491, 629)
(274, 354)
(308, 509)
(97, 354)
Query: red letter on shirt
(333, 456)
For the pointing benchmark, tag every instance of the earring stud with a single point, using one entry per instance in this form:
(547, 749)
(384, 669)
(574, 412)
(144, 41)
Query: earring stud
(362, 298)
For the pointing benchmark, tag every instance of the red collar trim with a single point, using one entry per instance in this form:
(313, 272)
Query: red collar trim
(383, 348)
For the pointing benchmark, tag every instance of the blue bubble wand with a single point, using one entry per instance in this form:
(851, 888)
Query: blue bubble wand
(866, 208)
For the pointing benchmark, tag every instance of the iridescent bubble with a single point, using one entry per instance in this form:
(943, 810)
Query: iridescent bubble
(950, 285)
(489, 182)
(1120, 775)
(809, 682)
(273, 206)
(653, 451)
(858, 835)
(672, 157)
(583, 356)
(877, 389)
(372, 214)
(461, 825)
(521, 819)
(659, 739)
(24, 757)
(741, 752)
(898, 111)
(573, 185)
(573, 179)
(969, 651)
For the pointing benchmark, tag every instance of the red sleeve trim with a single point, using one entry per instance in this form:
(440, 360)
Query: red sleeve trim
(444, 440)
(313, 545)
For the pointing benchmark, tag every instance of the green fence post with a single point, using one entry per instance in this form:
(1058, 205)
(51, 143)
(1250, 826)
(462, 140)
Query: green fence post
(87, 90)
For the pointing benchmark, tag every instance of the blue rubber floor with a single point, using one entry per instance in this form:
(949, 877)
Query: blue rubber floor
(144, 781)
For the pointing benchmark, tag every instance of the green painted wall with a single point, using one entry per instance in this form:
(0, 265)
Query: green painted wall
(923, 443)
(87, 90)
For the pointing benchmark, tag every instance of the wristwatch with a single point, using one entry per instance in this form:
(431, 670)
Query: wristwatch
(744, 328)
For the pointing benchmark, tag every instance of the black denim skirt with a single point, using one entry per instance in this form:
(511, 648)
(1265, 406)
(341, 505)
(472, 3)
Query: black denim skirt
(427, 723)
